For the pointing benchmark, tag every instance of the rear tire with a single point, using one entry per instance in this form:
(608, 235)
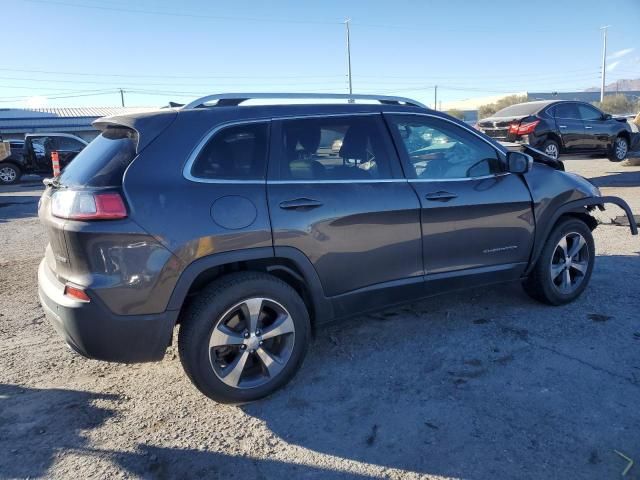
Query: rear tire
(551, 148)
(9, 173)
(564, 267)
(244, 337)
(619, 149)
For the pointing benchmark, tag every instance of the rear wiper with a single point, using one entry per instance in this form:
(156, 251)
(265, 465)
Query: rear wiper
(52, 182)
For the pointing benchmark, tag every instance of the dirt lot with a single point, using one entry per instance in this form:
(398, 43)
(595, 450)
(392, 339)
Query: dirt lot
(483, 384)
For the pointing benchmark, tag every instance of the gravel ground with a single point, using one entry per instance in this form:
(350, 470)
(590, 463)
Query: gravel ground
(482, 384)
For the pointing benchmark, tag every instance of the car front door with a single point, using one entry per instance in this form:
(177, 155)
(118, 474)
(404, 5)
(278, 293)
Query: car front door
(38, 150)
(477, 220)
(336, 193)
(569, 126)
(597, 130)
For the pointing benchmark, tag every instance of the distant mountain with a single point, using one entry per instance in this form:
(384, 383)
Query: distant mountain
(619, 86)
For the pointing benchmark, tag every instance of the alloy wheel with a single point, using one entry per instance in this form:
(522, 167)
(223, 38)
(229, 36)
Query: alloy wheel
(621, 148)
(569, 263)
(7, 174)
(551, 150)
(251, 343)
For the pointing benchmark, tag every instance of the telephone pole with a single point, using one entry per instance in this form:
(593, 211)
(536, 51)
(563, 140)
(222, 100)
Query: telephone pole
(435, 97)
(122, 97)
(604, 60)
(347, 21)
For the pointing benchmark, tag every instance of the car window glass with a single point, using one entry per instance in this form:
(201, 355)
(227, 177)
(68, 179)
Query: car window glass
(567, 111)
(68, 144)
(237, 152)
(334, 148)
(589, 113)
(437, 149)
(41, 146)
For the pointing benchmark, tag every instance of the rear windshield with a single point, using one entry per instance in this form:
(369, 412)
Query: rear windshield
(103, 162)
(521, 109)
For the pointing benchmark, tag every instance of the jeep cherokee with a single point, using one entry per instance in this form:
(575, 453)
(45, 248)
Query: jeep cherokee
(249, 225)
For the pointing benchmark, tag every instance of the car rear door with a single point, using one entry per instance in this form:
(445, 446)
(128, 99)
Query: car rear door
(570, 126)
(336, 193)
(477, 219)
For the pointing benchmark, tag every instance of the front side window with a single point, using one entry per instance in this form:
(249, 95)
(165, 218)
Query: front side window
(438, 150)
(237, 152)
(334, 148)
(589, 113)
(567, 111)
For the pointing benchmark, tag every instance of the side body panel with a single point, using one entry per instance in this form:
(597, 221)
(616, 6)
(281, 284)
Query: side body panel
(358, 234)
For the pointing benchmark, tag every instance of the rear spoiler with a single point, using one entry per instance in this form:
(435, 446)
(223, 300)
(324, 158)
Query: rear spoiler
(537, 155)
(147, 125)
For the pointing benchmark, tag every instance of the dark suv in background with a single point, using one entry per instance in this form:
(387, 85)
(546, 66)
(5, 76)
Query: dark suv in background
(561, 127)
(33, 155)
(249, 225)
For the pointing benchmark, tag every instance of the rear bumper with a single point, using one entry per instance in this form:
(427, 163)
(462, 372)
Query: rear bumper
(93, 331)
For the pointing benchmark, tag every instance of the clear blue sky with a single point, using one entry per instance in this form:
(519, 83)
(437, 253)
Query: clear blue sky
(175, 50)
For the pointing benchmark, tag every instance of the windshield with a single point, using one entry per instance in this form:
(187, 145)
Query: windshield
(518, 110)
(103, 162)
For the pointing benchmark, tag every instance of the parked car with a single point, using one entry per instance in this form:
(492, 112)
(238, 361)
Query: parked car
(33, 155)
(561, 127)
(239, 224)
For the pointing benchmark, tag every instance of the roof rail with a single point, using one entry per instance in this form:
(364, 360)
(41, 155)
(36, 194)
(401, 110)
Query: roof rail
(235, 99)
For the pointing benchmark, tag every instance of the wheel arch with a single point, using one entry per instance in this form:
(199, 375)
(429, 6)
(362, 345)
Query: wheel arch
(626, 135)
(556, 138)
(286, 263)
(12, 163)
(579, 209)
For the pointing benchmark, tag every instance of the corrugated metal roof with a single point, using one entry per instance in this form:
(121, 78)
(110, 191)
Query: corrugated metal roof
(70, 112)
(26, 120)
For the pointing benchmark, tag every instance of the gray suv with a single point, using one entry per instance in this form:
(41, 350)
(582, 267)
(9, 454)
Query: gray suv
(250, 225)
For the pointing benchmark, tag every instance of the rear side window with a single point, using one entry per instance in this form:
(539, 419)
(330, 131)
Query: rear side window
(68, 144)
(238, 152)
(567, 110)
(103, 162)
(334, 148)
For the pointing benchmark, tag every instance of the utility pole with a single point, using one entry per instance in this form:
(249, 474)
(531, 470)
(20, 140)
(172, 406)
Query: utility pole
(435, 97)
(604, 60)
(347, 21)
(122, 97)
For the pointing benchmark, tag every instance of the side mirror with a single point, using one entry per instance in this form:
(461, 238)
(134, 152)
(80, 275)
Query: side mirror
(607, 116)
(518, 162)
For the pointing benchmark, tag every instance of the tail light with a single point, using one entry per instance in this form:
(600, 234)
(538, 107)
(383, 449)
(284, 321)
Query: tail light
(76, 293)
(523, 128)
(80, 205)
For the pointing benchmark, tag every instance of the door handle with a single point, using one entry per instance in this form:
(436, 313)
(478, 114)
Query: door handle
(440, 196)
(562, 126)
(588, 128)
(300, 204)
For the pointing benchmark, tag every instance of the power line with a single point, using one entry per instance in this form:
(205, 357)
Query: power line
(186, 14)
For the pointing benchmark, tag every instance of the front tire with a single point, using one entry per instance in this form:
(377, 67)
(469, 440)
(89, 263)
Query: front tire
(244, 337)
(619, 150)
(9, 173)
(564, 267)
